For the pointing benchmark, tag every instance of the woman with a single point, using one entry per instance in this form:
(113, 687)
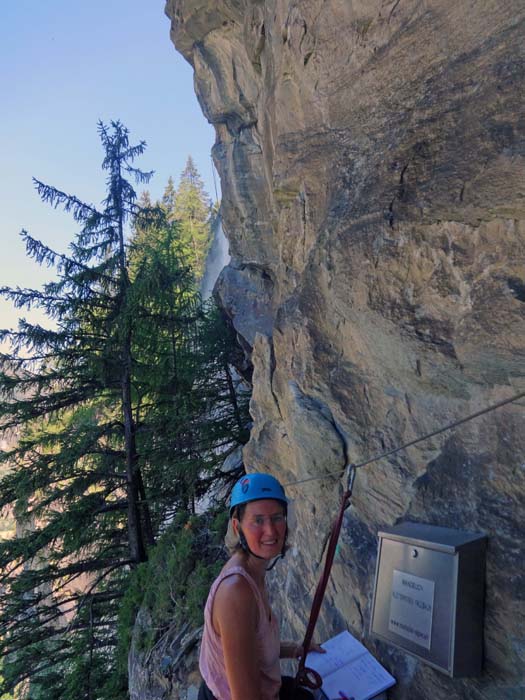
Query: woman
(240, 651)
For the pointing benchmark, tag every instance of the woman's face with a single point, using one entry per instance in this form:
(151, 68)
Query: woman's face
(264, 526)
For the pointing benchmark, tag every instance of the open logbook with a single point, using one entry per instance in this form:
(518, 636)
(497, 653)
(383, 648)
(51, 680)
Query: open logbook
(349, 670)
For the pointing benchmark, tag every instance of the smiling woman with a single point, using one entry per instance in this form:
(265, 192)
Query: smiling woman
(241, 649)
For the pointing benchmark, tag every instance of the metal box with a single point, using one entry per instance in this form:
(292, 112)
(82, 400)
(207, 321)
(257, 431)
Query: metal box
(429, 594)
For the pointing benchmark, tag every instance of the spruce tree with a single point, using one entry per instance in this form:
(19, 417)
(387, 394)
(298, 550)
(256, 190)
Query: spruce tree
(193, 211)
(74, 476)
(124, 411)
(169, 199)
(190, 414)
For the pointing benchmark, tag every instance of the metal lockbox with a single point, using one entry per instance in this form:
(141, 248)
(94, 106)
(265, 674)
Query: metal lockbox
(429, 594)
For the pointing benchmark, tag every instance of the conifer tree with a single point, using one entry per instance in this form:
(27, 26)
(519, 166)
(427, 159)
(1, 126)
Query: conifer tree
(190, 416)
(169, 199)
(125, 410)
(193, 210)
(74, 473)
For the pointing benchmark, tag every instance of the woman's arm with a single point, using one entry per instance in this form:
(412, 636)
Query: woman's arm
(234, 618)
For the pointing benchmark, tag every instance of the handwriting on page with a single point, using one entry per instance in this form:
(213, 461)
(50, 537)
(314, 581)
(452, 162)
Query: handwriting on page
(349, 668)
(362, 679)
(340, 650)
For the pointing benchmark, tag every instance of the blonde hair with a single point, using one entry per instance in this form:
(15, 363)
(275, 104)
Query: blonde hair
(231, 539)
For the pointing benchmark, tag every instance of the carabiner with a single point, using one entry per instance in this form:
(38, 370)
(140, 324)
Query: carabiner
(351, 471)
(309, 678)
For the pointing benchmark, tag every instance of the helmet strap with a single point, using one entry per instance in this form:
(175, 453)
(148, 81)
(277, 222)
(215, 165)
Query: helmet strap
(274, 562)
(244, 545)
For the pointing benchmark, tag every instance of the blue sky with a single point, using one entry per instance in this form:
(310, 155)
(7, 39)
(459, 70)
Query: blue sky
(65, 65)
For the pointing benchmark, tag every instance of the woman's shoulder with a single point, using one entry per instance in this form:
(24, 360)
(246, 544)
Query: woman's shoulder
(235, 590)
(234, 577)
(231, 601)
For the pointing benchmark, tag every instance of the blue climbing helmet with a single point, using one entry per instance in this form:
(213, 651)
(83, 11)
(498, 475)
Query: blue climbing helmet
(256, 487)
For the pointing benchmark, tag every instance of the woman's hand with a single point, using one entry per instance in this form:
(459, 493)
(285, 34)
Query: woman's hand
(293, 650)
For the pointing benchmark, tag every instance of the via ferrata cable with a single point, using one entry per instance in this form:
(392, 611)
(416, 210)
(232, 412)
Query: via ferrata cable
(422, 438)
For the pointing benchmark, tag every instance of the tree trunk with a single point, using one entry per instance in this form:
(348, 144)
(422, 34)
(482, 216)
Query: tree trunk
(137, 548)
(136, 538)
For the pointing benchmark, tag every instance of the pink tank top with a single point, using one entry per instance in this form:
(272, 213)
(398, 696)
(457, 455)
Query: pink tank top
(211, 661)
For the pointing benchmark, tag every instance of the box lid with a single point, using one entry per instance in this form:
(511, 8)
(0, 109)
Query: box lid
(444, 539)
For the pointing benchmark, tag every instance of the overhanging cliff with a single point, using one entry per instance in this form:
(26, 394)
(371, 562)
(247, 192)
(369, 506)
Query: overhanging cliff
(371, 156)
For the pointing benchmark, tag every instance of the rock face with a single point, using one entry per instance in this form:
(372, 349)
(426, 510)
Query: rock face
(371, 155)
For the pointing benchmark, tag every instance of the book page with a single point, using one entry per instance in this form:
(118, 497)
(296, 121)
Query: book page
(340, 650)
(362, 679)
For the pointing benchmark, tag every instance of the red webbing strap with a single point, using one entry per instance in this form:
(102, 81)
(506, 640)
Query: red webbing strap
(307, 676)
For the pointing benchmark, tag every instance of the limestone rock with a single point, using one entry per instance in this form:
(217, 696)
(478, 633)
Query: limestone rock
(371, 156)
